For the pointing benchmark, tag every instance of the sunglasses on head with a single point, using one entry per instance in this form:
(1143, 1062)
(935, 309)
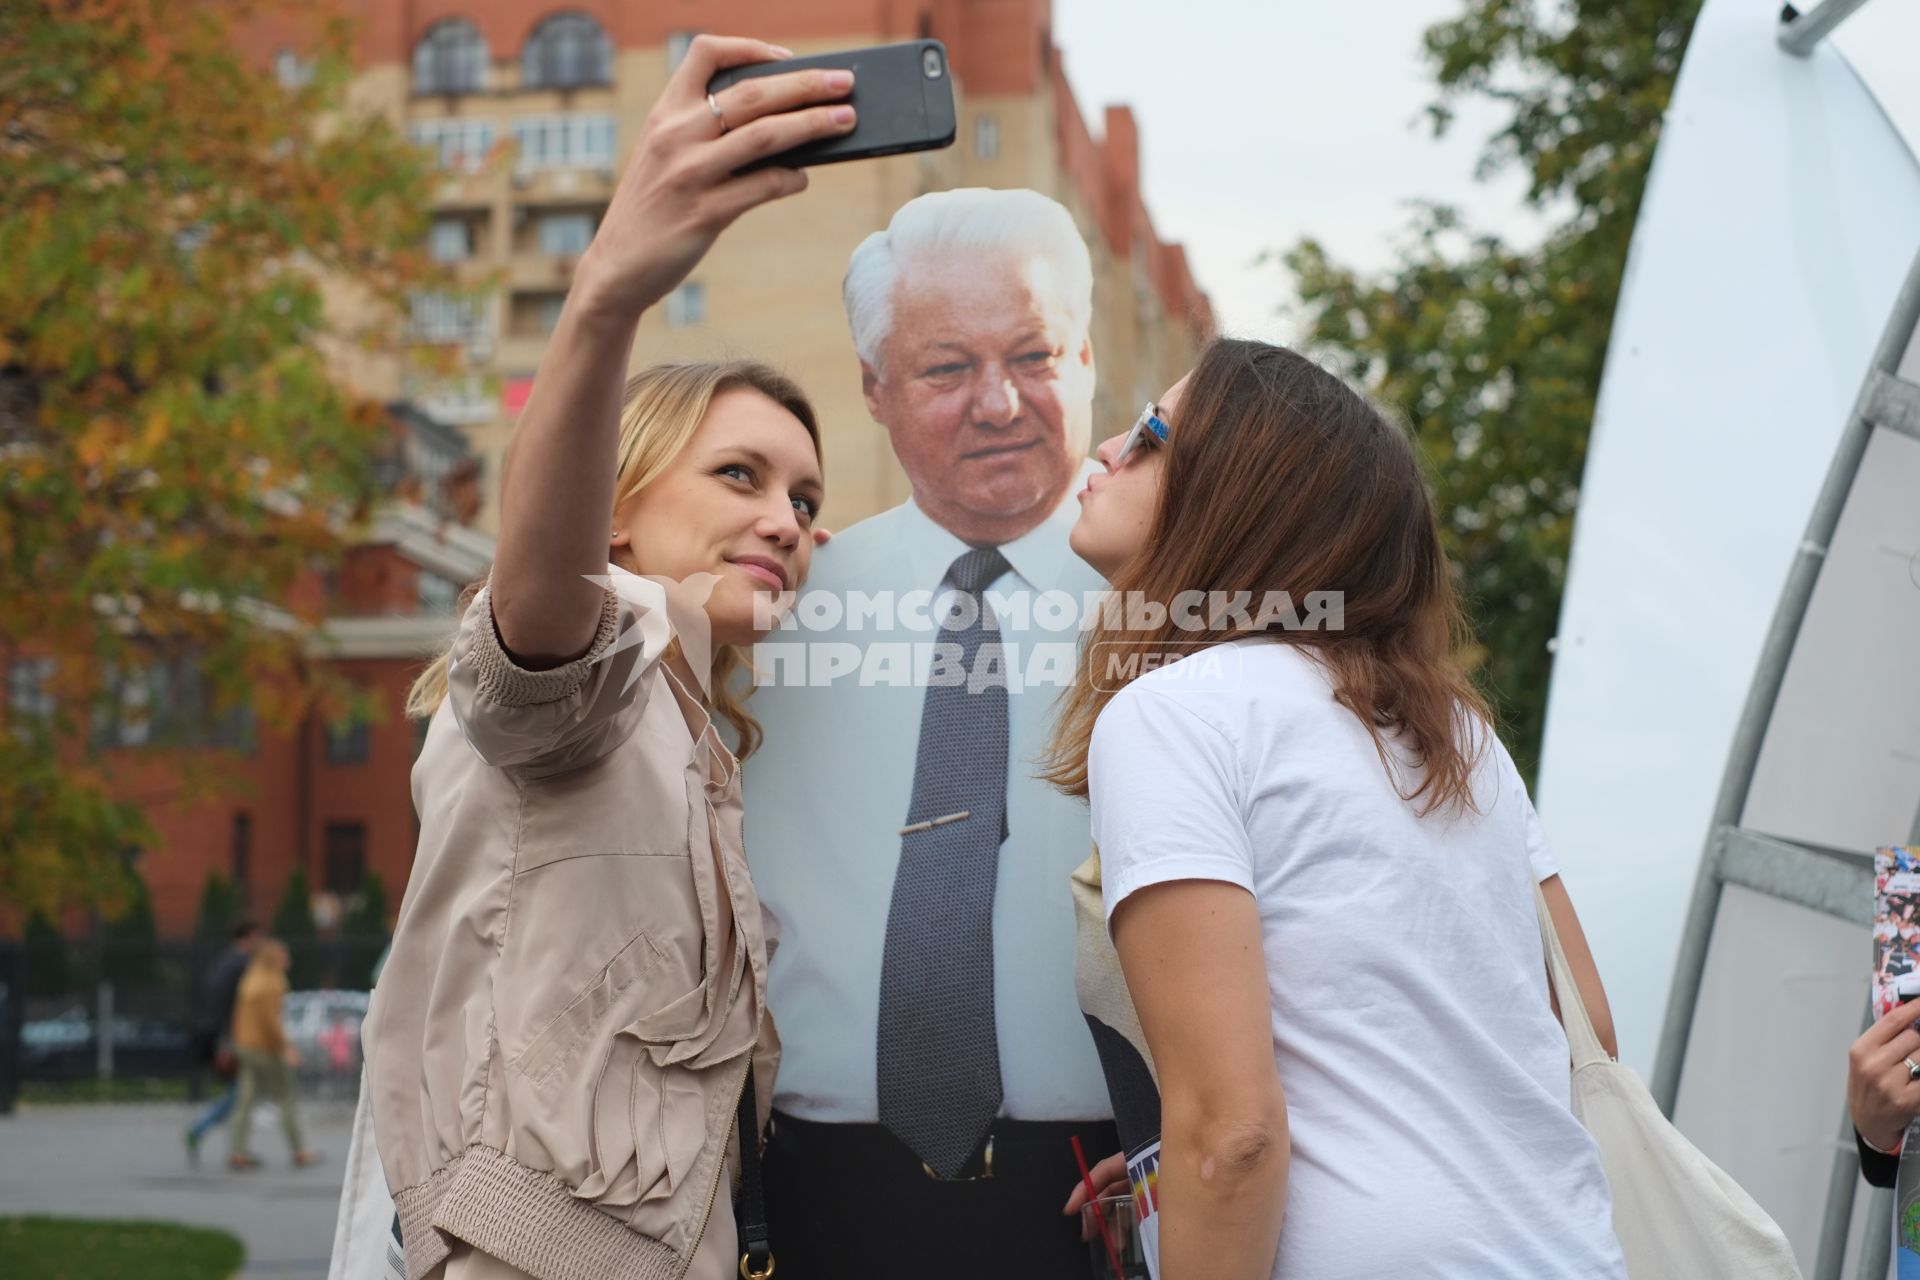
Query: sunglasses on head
(1149, 429)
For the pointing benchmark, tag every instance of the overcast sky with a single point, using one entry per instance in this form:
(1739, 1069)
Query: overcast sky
(1265, 120)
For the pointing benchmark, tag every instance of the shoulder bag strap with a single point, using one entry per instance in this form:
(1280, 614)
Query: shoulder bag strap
(1581, 1039)
(756, 1245)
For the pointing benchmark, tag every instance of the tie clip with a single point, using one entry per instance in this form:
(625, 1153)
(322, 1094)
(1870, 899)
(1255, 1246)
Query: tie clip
(931, 823)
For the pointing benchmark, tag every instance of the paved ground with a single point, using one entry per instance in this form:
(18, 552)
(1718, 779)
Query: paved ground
(126, 1160)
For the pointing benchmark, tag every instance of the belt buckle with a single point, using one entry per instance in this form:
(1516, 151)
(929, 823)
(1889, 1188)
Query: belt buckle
(986, 1174)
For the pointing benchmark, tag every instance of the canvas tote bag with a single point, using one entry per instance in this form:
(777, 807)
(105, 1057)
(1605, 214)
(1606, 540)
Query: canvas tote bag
(1677, 1215)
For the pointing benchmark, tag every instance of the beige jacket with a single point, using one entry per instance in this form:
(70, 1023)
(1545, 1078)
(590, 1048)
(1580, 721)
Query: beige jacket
(256, 1011)
(560, 1037)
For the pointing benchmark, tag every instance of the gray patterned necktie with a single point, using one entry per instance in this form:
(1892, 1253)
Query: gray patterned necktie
(938, 1055)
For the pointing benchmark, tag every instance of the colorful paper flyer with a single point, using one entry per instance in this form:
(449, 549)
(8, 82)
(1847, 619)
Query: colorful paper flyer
(1143, 1172)
(1896, 942)
(1896, 926)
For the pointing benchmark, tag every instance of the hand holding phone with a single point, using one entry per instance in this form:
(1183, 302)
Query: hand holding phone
(684, 182)
(903, 92)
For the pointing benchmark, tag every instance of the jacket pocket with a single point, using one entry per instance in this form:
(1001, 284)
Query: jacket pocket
(604, 1004)
(649, 1132)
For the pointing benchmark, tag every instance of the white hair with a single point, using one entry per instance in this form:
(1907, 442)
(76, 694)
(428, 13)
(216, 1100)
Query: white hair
(967, 222)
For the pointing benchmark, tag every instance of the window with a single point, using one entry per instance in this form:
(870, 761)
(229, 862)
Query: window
(564, 142)
(451, 240)
(461, 401)
(170, 703)
(438, 595)
(292, 70)
(344, 849)
(593, 142)
(986, 137)
(236, 730)
(687, 305)
(125, 717)
(536, 314)
(565, 52)
(459, 145)
(440, 317)
(29, 694)
(565, 235)
(242, 862)
(450, 58)
(146, 703)
(678, 42)
(347, 742)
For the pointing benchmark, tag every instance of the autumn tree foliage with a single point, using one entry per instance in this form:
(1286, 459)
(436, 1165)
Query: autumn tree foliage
(177, 449)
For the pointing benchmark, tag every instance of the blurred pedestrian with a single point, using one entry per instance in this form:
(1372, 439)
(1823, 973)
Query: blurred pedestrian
(266, 1059)
(213, 1033)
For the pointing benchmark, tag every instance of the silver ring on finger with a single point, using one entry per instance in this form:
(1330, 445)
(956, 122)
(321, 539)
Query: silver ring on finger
(1913, 1068)
(718, 114)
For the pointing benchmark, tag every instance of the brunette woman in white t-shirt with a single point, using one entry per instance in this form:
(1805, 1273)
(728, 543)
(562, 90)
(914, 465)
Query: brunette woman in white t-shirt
(1269, 782)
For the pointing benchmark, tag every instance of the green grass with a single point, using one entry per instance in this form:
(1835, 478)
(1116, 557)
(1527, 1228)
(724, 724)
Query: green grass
(38, 1248)
(118, 1089)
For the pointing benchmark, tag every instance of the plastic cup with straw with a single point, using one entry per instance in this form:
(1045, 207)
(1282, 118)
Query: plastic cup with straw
(1099, 1215)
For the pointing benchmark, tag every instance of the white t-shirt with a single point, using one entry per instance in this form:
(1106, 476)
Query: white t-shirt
(1426, 1078)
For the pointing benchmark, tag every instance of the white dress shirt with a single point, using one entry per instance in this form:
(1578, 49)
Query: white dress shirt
(828, 792)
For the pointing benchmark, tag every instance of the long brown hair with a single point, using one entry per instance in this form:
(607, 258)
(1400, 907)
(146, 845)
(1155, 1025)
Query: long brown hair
(1279, 478)
(661, 408)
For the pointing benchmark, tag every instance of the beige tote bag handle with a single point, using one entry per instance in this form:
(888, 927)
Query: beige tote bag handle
(1581, 1039)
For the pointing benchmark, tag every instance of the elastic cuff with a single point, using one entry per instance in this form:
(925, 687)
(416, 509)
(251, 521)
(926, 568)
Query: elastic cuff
(505, 683)
(1897, 1148)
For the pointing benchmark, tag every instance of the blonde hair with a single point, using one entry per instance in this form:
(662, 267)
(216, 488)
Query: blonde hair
(661, 408)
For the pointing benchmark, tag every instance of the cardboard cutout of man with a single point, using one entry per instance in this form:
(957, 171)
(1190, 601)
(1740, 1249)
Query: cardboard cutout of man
(936, 1062)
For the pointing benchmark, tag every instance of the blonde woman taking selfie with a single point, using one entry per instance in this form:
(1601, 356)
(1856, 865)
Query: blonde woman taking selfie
(564, 1029)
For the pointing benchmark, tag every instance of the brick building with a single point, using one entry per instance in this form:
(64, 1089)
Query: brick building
(568, 84)
(333, 798)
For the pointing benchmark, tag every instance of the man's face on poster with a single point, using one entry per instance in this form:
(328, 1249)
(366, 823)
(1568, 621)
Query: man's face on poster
(985, 387)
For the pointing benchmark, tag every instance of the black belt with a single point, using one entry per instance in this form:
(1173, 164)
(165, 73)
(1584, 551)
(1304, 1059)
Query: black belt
(848, 1201)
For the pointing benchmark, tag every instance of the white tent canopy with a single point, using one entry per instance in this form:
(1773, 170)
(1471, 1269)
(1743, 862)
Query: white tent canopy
(1781, 217)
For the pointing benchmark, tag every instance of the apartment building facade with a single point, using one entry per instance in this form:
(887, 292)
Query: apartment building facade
(229, 795)
(530, 109)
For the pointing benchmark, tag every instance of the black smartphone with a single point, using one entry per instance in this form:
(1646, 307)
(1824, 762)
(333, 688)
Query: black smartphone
(903, 92)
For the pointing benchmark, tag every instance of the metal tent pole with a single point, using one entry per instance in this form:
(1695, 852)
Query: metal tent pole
(1800, 32)
(1886, 401)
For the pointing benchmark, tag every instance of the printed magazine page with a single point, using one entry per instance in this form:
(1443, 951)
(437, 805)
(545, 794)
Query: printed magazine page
(1896, 903)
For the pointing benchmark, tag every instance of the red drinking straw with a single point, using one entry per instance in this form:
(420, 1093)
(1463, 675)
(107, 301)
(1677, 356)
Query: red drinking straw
(1093, 1198)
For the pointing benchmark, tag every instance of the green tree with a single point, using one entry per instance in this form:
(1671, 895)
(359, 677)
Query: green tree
(128, 951)
(293, 925)
(219, 912)
(44, 952)
(363, 932)
(179, 455)
(1494, 352)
